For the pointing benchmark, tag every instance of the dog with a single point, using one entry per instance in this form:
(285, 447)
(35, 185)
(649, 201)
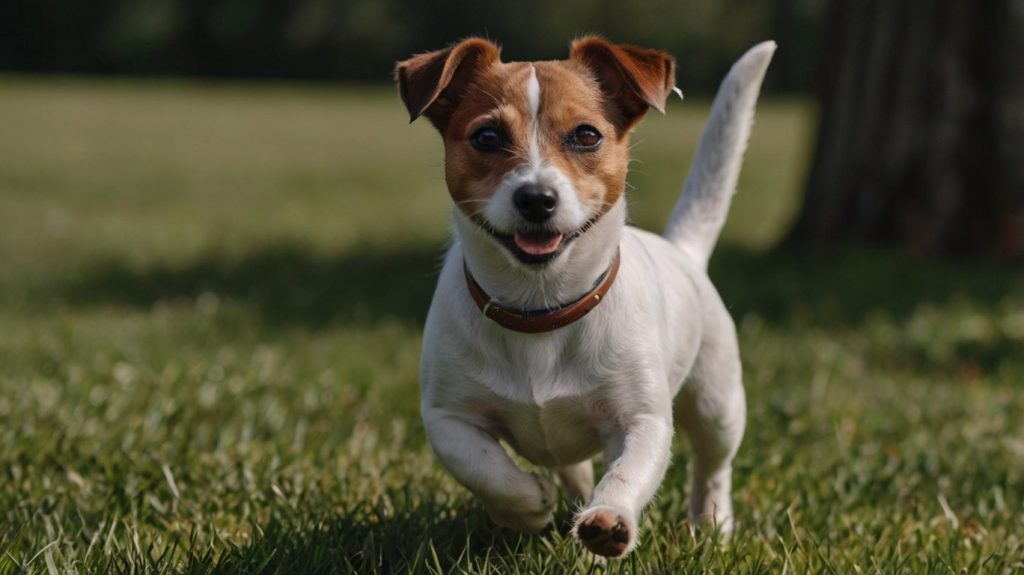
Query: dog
(555, 327)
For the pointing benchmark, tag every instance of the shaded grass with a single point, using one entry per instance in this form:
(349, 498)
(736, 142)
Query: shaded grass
(282, 284)
(212, 300)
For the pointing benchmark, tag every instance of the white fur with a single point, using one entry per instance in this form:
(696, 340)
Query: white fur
(700, 212)
(604, 384)
(533, 96)
(570, 215)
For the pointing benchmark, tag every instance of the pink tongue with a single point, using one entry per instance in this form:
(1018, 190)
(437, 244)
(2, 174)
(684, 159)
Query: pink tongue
(538, 244)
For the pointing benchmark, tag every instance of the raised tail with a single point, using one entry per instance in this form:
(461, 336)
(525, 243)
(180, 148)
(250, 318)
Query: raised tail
(703, 205)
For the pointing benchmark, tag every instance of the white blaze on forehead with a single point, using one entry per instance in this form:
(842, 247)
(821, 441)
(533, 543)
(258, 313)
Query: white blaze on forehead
(533, 97)
(533, 93)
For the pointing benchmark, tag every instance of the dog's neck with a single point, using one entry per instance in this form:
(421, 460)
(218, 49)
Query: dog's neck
(565, 279)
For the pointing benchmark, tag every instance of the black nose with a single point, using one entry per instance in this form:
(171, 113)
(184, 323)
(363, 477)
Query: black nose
(536, 203)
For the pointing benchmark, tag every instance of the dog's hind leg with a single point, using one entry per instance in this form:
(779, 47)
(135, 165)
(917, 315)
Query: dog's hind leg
(577, 481)
(712, 409)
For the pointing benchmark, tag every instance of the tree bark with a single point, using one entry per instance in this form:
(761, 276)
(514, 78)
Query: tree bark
(915, 147)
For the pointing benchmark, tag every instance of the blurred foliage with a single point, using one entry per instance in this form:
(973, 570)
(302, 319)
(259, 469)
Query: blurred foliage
(359, 40)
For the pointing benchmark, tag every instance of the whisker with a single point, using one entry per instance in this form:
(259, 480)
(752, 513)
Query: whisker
(517, 154)
(491, 96)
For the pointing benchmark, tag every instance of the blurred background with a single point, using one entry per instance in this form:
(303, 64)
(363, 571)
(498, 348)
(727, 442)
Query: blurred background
(219, 237)
(920, 104)
(359, 40)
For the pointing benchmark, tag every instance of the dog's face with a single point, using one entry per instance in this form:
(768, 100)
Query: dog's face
(535, 152)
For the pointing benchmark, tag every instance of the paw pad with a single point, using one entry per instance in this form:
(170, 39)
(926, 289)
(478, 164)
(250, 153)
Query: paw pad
(605, 534)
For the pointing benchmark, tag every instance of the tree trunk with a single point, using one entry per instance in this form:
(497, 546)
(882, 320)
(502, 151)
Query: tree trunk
(919, 143)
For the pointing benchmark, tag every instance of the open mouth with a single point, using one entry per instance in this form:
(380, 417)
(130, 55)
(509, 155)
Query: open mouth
(538, 243)
(535, 246)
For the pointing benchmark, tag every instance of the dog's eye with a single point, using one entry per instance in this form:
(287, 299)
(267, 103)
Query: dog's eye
(585, 137)
(487, 139)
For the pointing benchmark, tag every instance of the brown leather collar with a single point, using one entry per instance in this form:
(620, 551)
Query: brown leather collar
(540, 321)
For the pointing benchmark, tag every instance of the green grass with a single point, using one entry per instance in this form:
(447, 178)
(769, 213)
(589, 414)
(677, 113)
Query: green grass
(210, 310)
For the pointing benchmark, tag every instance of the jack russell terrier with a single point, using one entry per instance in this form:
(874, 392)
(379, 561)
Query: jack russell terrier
(557, 328)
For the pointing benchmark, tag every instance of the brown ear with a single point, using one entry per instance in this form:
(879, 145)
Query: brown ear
(432, 83)
(634, 78)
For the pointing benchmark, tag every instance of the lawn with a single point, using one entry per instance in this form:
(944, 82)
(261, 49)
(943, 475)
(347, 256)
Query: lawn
(210, 309)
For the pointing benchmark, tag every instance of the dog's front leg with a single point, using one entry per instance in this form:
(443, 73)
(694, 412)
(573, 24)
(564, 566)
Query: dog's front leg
(513, 498)
(637, 459)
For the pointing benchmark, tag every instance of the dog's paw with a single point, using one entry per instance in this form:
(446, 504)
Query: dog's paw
(606, 531)
(530, 511)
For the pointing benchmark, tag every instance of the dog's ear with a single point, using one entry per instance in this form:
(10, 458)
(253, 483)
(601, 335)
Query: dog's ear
(632, 78)
(432, 84)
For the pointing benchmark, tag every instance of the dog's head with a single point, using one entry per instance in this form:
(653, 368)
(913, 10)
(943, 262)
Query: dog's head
(536, 152)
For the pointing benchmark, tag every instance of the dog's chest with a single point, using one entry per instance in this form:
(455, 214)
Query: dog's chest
(544, 401)
(557, 432)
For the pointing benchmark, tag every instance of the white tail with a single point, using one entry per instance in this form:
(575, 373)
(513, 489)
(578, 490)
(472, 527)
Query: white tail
(700, 212)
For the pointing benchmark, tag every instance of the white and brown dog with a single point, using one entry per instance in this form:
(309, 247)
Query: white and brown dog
(557, 328)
